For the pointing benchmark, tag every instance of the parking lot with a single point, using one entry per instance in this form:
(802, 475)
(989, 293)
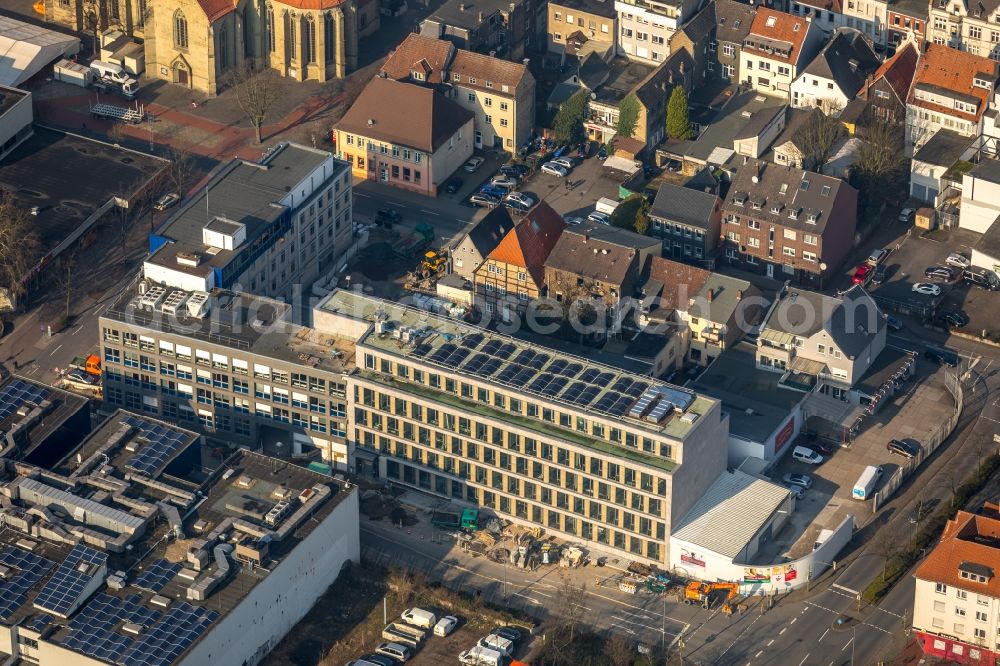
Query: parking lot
(915, 410)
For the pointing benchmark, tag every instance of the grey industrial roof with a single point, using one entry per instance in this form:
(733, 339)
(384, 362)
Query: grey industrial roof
(245, 192)
(944, 148)
(683, 204)
(735, 379)
(730, 513)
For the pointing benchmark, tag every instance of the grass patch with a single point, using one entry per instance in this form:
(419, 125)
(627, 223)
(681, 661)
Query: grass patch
(929, 532)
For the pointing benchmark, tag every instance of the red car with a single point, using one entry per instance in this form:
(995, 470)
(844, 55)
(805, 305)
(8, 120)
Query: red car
(862, 274)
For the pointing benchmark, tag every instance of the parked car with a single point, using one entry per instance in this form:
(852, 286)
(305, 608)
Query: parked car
(502, 180)
(952, 319)
(957, 260)
(797, 491)
(942, 356)
(942, 273)
(497, 191)
(599, 218)
(377, 660)
(806, 455)
(453, 185)
(166, 201)
(525, 200)
(564, 162)
(516, 207)
(927, 289)
(900, 448)
(878, 277)
(386, 217)
(484, 200)
(907, 215)
(674, 166)
(825, 449)
(445, 625)
(516, 170)
(862, 274)
(981, 277)
(394, 650)
(803, 480)
(893, 323)
(510, 633)
(583, 151)
(602, 153)
(574, 220)
(554, 169)
(877, 257)
(473, 164)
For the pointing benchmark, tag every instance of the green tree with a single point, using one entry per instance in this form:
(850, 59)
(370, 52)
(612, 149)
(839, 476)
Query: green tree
(628, 116)
(568, 123)
(632, 214)
(678, 122)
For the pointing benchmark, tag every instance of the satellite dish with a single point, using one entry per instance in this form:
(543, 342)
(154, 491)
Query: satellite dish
(755, 179)
(593, 95)
(822, 266)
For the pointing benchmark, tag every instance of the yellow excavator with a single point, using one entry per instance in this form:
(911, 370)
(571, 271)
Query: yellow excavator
(697, 592)
(433, 261)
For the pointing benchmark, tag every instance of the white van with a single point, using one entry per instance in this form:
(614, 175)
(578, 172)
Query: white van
(806, 455)
(866, 482)
(606, 205)
(418, 617)
(111, 71)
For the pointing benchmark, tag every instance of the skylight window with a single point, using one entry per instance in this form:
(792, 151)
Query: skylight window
(771, 21)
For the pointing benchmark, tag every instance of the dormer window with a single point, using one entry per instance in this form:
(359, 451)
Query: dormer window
(756, 204)
(978, 573)
(824, 191)
(489, 84)
(457, 78)
(795, 28)
(793, 213)
(784, 188)
(776, 209)
(979, 82)
(812, 218)
(739, 199)
(472, 81)
(804, 185)
(417, 76)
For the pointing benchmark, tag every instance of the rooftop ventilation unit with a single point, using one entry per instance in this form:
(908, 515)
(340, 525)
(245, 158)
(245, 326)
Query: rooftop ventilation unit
(224, 234)
(197, 304)
(152, 299)
(189, 259)
(174, 303)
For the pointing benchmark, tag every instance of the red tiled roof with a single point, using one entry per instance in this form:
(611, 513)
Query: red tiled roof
(485, 69)
(957, 547)
(529, 243)
(954, 71)
(784, 28)
(426, 54)
(216, 9)
(680, 281)
(898, 71)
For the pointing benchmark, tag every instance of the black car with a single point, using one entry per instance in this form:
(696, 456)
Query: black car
(386, 217)
(453, 185)
(902, 448)
(879, 276)
(825, 449)
(602, 154)
(942, 356)
(673, 166)
(510, 633)
(379, 659)
(952, 319)
(515, 170)
(939, 273)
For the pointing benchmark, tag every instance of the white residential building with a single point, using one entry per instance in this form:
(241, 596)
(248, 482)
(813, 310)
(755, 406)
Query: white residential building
(777, 49)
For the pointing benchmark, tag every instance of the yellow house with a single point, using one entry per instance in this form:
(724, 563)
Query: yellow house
(197, 43)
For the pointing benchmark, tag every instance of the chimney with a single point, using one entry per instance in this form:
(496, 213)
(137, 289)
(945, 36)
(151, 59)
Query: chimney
(739, 295)
(481, 17)
(710, 295)
(462, 7)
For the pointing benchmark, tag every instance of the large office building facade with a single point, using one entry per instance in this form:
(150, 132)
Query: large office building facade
(586, 451)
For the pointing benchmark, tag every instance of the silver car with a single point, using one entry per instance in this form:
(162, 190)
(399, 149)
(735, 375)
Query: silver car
(554, 169)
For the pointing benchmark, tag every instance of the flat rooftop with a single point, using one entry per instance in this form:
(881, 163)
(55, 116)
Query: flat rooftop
(242, 322)
(624, 76)
(246, 192)
(520, 366)
(9, 97)
(69, 178)
(595, 7)
(37, 410)
(944, 148)
(150, 618)
(989, 242)
(465, 13)
(735, 380)
(724, 126)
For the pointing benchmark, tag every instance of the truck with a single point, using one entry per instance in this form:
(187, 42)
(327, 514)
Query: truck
(99, 76)
(468, 519)
(91, 364)
(419, 617)
(483, 656)
(866, 482)
(606, 205)
(498, 643)
(390, 633)
(402, 630)
(413, 245)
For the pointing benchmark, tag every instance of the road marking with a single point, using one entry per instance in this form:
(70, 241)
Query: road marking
(531, 599)
(541, 593)
(363, 196)
(782, 630)
(794, 619)
(824, 635)
(845, 589)
(77, 330)
(847, 644)
(804, 659)
(55, 350)
(430, 212)
(770, 642)
(758, 654)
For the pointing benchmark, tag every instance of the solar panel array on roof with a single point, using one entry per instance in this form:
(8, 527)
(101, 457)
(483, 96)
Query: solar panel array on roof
(171, 636)
(157, 575)
(39, 622)
(63, 591)
(30, 569)
(640, 408)
(92, 630)
(17, 393)
(163, 443)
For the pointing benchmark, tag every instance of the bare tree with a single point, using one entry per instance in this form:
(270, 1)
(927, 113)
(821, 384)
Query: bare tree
(19, 244)
(572, 601)
(67, 265)
(92, 22)
(619, 650)
(887, 544)
(116, 134)
(817, 138)
(182, 168)
(880, 154)
(256, 92)
(401, 582)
